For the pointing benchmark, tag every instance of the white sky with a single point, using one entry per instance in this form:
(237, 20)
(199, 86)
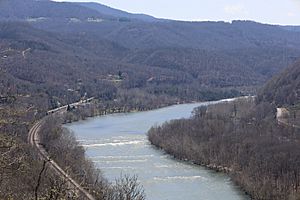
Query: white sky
(285, 12)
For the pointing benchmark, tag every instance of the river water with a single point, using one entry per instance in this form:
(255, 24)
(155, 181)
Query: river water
(118, 144)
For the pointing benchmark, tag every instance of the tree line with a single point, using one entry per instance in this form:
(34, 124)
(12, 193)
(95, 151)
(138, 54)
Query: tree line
(243, 139)
(57, 140)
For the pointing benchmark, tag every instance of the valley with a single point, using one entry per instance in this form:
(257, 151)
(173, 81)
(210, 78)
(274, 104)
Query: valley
(53, 54)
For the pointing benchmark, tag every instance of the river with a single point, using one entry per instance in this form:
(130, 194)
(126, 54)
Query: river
(118, 144)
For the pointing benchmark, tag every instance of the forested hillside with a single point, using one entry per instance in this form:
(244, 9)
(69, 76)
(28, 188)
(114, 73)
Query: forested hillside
(244, 139)
(117, 13)
(79, 65)
(32, 11)
(284, 89)
(162, 57)
(65, 69)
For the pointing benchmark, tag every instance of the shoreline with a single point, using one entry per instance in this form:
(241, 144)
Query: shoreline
(217, 169)
(148, 110)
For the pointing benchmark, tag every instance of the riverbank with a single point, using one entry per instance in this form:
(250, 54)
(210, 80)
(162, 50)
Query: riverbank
(74, 169)
(241, 138)
(73, 162)
(94, 109)
(63, 137)
(117, 144)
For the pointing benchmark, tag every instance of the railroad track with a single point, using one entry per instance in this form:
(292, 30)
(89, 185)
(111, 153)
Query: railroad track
(283, 120)
(34, 140)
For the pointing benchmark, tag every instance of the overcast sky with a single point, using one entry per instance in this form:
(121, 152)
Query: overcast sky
(266, 11)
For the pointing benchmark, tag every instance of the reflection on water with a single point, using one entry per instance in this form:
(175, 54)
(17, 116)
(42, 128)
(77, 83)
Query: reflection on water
(117, 144)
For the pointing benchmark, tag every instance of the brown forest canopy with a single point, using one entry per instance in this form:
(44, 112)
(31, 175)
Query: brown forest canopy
(65, 50)
(283, 89)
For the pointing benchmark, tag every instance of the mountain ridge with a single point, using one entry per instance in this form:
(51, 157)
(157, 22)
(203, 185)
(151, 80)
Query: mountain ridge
(116, 12)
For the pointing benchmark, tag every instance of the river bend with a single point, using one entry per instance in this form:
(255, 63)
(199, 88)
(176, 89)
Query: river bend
(117, 143)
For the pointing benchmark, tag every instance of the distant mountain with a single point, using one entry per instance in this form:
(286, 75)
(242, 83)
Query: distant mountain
(292, 28)
(33, 60)
(117, 13)
(284, 89)
(99, 21)
(197, 35)
(45, 11)
(64, 42)
(251, 66)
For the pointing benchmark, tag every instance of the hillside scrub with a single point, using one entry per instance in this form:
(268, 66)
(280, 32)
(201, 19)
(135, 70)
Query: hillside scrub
(283, 89)
(241, 138)
(24, 176)
(57, 139)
